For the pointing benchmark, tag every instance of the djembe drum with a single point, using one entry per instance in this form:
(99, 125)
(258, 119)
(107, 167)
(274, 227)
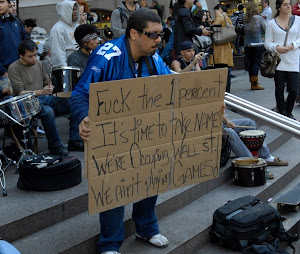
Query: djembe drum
(254, 140)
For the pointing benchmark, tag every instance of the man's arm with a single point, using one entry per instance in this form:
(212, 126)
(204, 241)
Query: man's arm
(188, 23)
(116, 24)
(58, 49)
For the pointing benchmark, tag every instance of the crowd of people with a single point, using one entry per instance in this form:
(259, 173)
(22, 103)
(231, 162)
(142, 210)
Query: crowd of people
(151, 44)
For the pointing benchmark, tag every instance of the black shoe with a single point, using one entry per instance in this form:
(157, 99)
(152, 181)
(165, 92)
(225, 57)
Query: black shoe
(232, 76)
(76, 145)
(60, 150)
(290, 116)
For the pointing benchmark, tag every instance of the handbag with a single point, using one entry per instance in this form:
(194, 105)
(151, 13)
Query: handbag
(270, 60)
(224, 34)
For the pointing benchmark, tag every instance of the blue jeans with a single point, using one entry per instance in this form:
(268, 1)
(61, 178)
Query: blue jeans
(170, 44)
(52, 106)
(112, 226)
(238, 146)
(253, 57)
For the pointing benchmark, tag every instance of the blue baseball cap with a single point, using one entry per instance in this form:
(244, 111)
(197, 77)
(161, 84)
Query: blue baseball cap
(186, 45)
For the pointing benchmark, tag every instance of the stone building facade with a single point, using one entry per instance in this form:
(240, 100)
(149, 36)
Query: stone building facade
(45, 12)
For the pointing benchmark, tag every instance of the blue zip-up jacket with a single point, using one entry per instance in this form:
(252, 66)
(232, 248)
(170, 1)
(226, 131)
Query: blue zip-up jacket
(108, 62)
(11, 34)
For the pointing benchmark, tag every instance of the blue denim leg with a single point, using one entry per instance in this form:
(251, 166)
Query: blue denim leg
(47, 117)
(112, 226)
(264, 151)
(237, 145)
(112, 230)
(170, 44)
(61, 107)
(144, 216)
(254, 55)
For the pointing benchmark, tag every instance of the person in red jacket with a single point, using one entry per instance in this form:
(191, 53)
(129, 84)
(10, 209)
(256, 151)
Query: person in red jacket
(296, 8)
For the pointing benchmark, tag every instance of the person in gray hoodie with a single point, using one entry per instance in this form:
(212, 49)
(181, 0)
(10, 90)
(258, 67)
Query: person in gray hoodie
(120, 16)
(62, 39)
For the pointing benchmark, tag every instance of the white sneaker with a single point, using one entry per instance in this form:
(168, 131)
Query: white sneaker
(110, 252)
(156, 240)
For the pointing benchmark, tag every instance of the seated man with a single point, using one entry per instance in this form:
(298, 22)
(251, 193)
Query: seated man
(187, 61)
(28, 75)
(238, 146)
(87, 39)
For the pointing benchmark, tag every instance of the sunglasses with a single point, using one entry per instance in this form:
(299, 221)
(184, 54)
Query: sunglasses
(153, 35)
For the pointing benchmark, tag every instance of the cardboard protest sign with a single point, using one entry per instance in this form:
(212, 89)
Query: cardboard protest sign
(151, 135)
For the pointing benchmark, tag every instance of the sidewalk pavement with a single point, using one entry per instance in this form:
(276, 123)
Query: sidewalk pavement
(240, 86)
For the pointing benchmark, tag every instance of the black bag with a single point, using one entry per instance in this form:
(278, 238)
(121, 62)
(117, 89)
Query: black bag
(265, 248)
(269, 62)
(245, 221)
(48, 173)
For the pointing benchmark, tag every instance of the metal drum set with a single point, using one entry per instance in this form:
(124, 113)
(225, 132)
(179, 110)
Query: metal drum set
(19, 110)
(250, 172)
(65, 79)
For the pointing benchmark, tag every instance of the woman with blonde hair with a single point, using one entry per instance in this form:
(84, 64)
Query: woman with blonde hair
(254, 28)
(287, 72)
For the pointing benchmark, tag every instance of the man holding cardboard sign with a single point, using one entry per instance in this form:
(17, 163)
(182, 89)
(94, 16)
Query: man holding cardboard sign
(110, 62)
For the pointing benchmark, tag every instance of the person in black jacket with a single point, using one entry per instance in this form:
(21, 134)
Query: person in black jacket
(185, 27)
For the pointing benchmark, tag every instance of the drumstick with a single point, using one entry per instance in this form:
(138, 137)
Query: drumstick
(244, 127)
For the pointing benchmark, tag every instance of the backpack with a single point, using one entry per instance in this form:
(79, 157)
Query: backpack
(122, 14)
(247, 221)
(238, 22)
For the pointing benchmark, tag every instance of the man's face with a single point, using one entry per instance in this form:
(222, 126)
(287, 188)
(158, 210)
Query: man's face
(188, 54)
(28, 29)
(74, 13)
(4, 5)
(92, 44)
(29, 57)
(12, 8)
(264, 4)
(145, 45)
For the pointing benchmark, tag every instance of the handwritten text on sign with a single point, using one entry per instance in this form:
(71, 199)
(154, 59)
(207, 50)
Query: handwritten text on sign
(151, 135)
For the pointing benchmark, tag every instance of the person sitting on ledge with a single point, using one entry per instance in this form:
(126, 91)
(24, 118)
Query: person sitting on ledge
(29, 75)
(238, 146)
